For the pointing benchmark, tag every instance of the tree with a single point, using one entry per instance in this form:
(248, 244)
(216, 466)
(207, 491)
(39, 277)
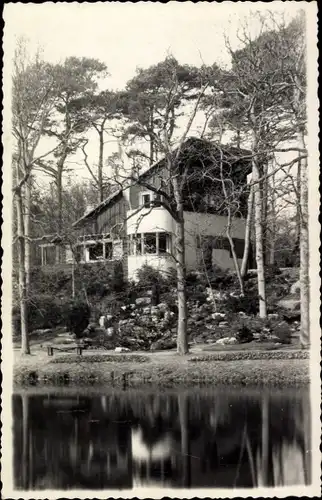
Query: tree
(169, 89)
(155, 100)
(32, 102)
(256, 97)
(74, 78)
(96, 110)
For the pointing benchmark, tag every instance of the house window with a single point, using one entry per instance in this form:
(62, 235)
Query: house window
(157, 200)
(150, 243)
(164, 243)
(135, 244)
(108, 250)
(146, 199)
(101, 250)
(96, 251)
(151, 199)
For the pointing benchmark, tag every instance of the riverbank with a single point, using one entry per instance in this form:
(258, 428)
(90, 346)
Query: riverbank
(253, 368)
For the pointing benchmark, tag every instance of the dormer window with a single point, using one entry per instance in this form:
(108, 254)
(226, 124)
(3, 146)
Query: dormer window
(149, 199)
(146, 199)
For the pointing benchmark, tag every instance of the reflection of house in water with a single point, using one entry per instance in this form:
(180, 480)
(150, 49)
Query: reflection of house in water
(153, 463)
(185, 441)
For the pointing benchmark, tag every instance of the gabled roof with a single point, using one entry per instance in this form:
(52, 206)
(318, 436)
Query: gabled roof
(99, 208)
(232, 152)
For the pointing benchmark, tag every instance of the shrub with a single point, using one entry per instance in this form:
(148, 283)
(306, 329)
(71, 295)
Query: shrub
(271, 271)
(148, 276)
(117, 279)
(220, 278)
(43, 311)
(53, 282)
(244, 335)
(283, 332)
(76, 317)
(247, 304)
(101, 358)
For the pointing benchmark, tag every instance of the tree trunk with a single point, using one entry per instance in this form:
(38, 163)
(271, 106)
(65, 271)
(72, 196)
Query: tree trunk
(304, 260)
(259, 241)
(296, 249)
(249, 219)
(264, 211)
(228, 228)
(182, 336)
(100, 165)
(59, 211)
(27, 213)
(25, 348)
(273, 224)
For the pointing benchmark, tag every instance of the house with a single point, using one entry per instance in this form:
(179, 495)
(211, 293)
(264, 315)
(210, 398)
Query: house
(136, 224)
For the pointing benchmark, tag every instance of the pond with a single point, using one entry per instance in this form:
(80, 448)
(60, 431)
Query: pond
(187, 439)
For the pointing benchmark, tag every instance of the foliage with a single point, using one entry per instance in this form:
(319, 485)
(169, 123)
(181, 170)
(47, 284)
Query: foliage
(149, 277)
(283, 333)
(43, 311)
(250, 355)
(76, 316)
(247, 304)
(100, 358)
(244, 335)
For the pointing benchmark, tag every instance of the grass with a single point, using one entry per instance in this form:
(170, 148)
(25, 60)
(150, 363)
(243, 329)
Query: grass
(99, 358)
(244, 355)
(166, 369)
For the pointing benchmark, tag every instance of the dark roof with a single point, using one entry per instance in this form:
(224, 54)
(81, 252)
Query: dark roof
(91, 214)
(232, 152)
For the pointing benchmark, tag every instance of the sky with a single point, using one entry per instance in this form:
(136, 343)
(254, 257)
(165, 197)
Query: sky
(126, 36)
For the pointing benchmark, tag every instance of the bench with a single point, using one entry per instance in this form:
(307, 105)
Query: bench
(67, 348)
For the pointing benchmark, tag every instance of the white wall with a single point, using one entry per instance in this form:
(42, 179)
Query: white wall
(197, 224)
(149, 221)
(162, 263)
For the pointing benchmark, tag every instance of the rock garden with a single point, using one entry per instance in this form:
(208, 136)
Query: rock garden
(143, 316)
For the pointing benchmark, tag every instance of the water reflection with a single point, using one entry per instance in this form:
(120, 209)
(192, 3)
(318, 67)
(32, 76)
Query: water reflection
(128, 439)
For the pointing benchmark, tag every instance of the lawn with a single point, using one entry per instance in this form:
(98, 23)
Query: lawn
(284, 367)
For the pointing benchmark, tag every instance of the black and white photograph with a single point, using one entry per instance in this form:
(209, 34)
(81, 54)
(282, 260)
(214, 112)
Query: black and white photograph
(160, 272)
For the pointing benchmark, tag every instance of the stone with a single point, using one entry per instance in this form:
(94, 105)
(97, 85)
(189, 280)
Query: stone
(142, 301)
(110, 331)
(163, 306)
(222, 341)
(295, 288)
(218, 315)
(289, 303)
(272, 316)
(232, 340)
(146, 310)
(101, 321)
(121, 349)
